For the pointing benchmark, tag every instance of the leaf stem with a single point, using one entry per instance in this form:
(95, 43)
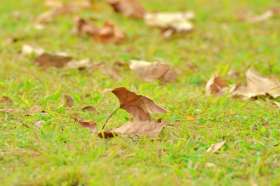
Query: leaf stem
(109, 117)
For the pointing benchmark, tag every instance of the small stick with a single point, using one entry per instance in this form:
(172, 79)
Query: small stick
(109, 117)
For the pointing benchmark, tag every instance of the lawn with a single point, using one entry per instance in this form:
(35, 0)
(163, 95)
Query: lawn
(61, 152)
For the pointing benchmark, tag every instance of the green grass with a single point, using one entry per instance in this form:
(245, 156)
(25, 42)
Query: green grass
(63, 153)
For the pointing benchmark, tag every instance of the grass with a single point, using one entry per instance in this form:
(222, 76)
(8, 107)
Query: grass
(63, 153)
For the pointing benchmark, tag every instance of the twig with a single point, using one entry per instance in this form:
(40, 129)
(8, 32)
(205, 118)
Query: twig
(109, 117)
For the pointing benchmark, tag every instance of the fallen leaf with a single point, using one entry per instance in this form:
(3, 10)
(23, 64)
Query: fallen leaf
(47, 60)
(34, 109)
(153, 71)
(68, 101)
(137, 128)
(140, 128)
(108, 33)
(215, 147)
(29, 50)
(89, 109)
(170, 23)
(87, 124)
(260, 18)
(215, 86)
(6, 100)
(111, 71)
(83, 64)
(139, 106)
(129, 8)
(39, 123)
(257, 85)
(8, 110)
(58, 8)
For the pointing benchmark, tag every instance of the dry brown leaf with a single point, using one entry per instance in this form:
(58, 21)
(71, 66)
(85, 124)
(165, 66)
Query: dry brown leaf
(58, 8)
(257, 85)
(140, 128)
(108, 33)
(170, 23)
(87, 124)
(215, 147)
(136, 129)
(47, 60)
(215, 86)
(111, 72)
(68, 101)
(129, 8)
(83, 64)
(6, 100)
(89, 108)
(29, 50)
(153, 71)
(139, 106)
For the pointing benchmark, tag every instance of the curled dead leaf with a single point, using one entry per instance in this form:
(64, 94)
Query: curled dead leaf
(137, 129)
(170, 23)
(129, 8)
(215, 86)
(153, 71)
(215, 147)
(257, 85)
(139, 106)
(108, 33)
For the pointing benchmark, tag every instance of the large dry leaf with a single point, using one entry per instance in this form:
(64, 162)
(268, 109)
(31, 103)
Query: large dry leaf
(170, 22)
(137, 129)
(47, 60)
(215, 86)
(153, 71)
(258, 85)
(215, 147)
(130, 8)
(107, 33)
(139, 106)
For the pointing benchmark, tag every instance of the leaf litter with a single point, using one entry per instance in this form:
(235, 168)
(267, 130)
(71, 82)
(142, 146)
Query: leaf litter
(140, 107)
(153, 71)
(129, 8)
(257, 86)
(108, 33)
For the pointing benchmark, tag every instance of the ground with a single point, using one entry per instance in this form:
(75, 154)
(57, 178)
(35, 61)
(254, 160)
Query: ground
(63, 153)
